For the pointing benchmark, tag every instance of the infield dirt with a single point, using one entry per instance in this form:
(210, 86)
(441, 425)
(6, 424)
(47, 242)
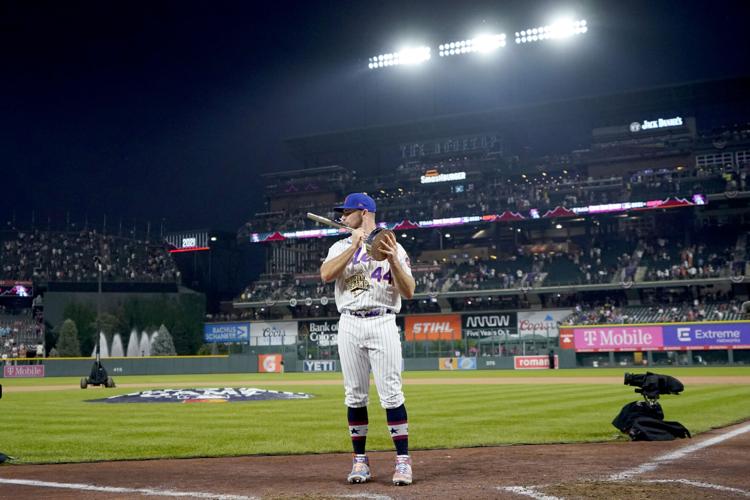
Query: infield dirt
(560, 471)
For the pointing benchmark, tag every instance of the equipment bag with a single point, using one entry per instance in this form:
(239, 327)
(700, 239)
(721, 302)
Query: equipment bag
(652, 429)
(645, 422)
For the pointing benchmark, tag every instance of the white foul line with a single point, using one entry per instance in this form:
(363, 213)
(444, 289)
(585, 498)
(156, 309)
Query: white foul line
(677, 454)
(114, 489)
(528, 491)
(701, 484)
(365, 495)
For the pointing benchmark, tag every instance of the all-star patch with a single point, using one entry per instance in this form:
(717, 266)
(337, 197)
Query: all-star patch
(211, 395)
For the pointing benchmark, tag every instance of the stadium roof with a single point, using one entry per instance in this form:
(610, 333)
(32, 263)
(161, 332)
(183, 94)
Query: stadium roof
(728, 95)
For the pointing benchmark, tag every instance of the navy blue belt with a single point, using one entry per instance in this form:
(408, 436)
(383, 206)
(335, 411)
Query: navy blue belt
(367, 313)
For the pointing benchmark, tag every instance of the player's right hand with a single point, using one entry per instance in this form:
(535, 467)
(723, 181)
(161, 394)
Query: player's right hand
(358, 237)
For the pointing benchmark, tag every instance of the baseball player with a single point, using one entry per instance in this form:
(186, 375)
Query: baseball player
(368, 296)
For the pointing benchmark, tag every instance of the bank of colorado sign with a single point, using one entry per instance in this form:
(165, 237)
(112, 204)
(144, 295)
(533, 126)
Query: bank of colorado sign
(483, 326)
(659, 337)
(322, 333)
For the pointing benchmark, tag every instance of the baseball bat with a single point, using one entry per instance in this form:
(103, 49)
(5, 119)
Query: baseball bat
(329, 222)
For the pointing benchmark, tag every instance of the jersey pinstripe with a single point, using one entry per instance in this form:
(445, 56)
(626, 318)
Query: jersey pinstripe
(379, 292)
(369, 344)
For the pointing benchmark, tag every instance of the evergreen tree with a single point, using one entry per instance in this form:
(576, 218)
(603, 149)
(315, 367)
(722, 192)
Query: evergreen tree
(67, 343)
(163, 345)
(84, 316)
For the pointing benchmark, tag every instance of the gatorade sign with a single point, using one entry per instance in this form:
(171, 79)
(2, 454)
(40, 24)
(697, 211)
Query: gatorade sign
(269, 363)
(433, 327)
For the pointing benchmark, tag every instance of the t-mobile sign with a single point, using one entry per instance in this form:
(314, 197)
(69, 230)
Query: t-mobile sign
(618, 338)
(23, 371)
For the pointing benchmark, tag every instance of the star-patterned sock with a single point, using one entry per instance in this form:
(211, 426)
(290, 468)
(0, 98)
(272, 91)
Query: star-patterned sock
(398, 428)
(358, 428)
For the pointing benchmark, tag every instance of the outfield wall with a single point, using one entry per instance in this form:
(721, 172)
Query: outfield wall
(500, 336)
(256, 363)
(157, 365)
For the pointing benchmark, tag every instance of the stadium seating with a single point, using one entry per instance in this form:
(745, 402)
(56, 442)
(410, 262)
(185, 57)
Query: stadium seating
(19, 335)
(624, 253)
(664, 313)
(69, 256)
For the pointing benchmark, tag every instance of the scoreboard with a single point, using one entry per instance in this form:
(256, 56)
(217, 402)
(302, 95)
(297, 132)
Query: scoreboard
(13, 288)
(188, 241)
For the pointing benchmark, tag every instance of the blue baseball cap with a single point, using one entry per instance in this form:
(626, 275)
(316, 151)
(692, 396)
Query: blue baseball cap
(357, 201)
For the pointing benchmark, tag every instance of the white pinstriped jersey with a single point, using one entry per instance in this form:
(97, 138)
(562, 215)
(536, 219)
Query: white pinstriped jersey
(366, 283)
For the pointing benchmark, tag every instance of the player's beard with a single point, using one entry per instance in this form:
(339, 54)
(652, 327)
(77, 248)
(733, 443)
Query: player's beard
(355, 222)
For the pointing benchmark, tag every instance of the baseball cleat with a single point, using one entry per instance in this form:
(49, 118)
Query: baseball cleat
(360, 470)
(402, 474)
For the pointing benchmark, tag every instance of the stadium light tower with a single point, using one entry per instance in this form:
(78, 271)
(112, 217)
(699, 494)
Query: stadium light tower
(481, 44)
(563, 28)
(407, 56)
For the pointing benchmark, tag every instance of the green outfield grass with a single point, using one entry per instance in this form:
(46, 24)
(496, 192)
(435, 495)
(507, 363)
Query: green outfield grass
(59, 426)
(711, 371)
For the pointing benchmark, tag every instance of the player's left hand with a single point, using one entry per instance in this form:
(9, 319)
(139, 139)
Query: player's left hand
(389, 247)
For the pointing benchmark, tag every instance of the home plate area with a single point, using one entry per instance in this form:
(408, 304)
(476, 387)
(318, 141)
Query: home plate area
(712, 465)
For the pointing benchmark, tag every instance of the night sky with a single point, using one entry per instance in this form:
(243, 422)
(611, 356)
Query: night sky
(168, 110)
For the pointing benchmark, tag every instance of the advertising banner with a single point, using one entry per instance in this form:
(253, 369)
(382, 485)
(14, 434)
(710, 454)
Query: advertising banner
(541, 323)
(489, 325)
(273, 333)
(433, 327)
(322, 332)
(23, 371)
(270, 363)
(618, 338)
(319, 365)
(658, 337)
(707, 335)
(533, 362)
(567, 339)
(226, 332)
(457, 363)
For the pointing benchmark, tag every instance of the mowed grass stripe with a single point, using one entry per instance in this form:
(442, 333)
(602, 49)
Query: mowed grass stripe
(249, 378)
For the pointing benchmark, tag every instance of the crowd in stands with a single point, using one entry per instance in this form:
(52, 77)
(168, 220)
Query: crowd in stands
(614, 260)
(549, 187)
(21, 334)
(497, 184)
(69, 256)
(697, 310)
(711, 256)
